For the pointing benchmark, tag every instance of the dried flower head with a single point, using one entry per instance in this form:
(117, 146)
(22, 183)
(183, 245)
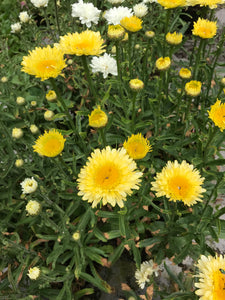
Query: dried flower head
(147, 269)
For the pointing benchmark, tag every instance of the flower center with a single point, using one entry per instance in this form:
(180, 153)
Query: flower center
(138, 148)
(205, 31)
(179, 187)
(85, 44)
(107, 176)
(46, 65)
(219, 285)
(52, 145)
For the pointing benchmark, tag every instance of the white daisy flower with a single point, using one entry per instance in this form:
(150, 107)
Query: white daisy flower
(39, 3)
(86, 12)
(146, 270)
(104, 64)
(116, 14)
(140, 10)
(29, 185)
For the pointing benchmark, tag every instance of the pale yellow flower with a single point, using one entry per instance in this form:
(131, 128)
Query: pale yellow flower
(85, 43)
(174, 38)
(33, 207)
(132, 24)
(211, 274)
(137, 146)
(34, 273)
(49, 144)
(179, 182)
(109, 177)
(136, 84)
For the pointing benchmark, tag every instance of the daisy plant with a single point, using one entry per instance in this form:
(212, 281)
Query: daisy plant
(112, 121)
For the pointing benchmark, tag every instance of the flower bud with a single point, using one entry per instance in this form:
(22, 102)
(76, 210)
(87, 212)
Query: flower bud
(17, 133)
(48, 115)
(20, 100)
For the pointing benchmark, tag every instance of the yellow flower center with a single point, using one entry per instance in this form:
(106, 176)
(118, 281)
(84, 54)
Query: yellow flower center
(84, 44)
(219, 285)
(179, 186)
(51, 145)
(107, 176)
(46, 65)
(205, 31)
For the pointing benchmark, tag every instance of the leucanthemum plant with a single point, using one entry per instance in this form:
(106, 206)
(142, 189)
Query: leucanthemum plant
(112, 149)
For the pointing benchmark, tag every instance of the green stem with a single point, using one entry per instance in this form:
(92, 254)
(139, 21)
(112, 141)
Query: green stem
(63, 104)
(168, 12)
(211, 137)
(133, 111)
(198, 58)
(89, 79)
(48, 25)
(130, 53)
(119, 69)
(57, 17)
(103, 137)
(218, 52)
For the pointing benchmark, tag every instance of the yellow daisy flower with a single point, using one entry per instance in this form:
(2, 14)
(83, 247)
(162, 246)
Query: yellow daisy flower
(171, 3)
(115, 32)
(211, 3)
(49, 144)
(136, 84)
(193, 88)
(108, 177)
(137, 146)
(185, 73)
(179, 182)
(44, 62)
(217, 114)
(51, 96)
(132, 24)
(205, 29)
(174, 38)
(85, 43)
(211, 278)
(163, 63)
(98, 118)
